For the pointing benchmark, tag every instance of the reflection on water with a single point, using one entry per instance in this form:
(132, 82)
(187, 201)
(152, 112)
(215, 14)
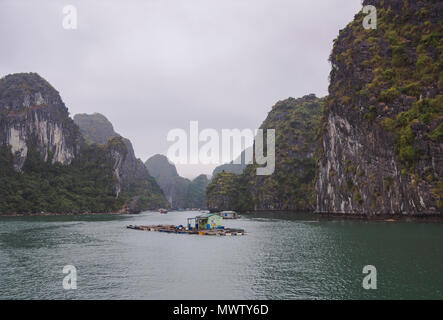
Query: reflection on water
(284, 256)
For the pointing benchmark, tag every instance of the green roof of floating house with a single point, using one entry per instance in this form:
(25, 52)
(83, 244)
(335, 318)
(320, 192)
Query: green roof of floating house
(208, 221)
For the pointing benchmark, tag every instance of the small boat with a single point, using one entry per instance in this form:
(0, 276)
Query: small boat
(229, 215)
(163, 211)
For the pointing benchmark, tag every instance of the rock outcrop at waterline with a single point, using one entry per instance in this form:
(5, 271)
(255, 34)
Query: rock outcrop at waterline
(46, 166)
(382, 139)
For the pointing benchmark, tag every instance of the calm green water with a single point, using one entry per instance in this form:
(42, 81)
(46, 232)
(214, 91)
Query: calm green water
(282, 257)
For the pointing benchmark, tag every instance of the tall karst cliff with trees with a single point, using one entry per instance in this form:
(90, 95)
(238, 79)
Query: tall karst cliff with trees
(291, 186)
(130, 172)
(382, 150)
(45, 164)
(380, 140)
(180, 192)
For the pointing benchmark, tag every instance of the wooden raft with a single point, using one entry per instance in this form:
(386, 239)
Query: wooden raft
(182, 230)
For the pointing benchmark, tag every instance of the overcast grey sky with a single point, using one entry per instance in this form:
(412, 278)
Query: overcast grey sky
(153, 65)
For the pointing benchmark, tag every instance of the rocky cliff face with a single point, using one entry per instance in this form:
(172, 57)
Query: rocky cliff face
(382, 150)
(131, 175)
(180, 192)
(132, 179)
(31, 110)
(174, 187)
(291, 186)
(46, 166)
(95, 128)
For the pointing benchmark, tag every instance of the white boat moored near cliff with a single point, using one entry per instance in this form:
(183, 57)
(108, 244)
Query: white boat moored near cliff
(229, 215)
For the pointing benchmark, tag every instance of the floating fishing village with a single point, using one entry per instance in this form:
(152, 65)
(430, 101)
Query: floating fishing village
(207, 224)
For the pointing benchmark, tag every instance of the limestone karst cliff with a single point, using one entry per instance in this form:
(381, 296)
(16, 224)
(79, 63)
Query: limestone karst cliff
(95, 128)
(180, 192)
(196, 192)
(31, 110)
(382, 150)
(130, 173)
(174, 187)
(291, 186)
(380, 140)
(46, 166)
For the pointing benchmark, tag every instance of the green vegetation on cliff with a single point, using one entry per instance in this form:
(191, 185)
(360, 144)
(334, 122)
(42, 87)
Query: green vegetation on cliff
(95, 128)
(229, 191)
(196, 192)
(46, 166)
(405, 55)
(384, 113)
(86, 185)
(141, 189)
(291, 186)
(137, 186)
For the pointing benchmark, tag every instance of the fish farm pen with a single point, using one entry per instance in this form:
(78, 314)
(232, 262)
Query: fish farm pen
(181, 230)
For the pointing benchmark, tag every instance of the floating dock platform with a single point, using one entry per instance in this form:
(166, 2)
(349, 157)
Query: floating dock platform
(182, 230)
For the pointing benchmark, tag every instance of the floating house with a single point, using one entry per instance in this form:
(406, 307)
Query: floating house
(206, 221)
(229, 215)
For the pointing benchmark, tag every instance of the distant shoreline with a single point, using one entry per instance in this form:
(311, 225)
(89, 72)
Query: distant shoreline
(325, 216)
(362, 217)
(385, 217)
(58, 214)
